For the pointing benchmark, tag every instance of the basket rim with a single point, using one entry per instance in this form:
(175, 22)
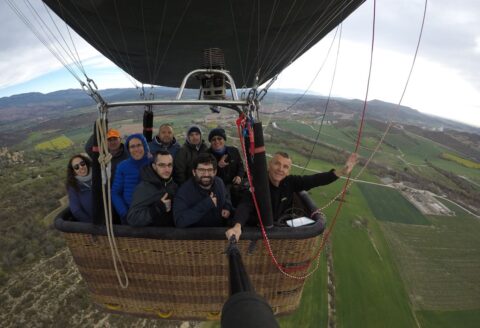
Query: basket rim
(64, 223)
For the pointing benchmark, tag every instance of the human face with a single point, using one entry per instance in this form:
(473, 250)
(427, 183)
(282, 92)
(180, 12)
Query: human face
(278, 168)
(113, 144)
(135, 146)
(204, 174)
(194, 138)
(165, 134)
(217, 143)
(163, 166)
(79, 166)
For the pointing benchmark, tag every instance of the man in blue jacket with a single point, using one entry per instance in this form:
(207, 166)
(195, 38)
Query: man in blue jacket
(127, 175)
(202, 201)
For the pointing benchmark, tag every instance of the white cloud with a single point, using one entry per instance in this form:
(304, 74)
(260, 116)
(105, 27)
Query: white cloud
(477, 44)
(434, 88)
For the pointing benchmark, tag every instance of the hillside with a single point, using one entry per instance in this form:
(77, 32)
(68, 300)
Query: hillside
(404, 252)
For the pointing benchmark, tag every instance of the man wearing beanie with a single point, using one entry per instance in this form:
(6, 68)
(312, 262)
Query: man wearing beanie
(194, 145)
(230, 165)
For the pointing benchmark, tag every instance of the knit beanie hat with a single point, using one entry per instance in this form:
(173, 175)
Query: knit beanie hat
(217, 132)
(193, 128)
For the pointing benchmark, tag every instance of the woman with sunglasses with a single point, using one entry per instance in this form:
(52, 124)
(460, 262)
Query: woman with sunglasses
(79, 187)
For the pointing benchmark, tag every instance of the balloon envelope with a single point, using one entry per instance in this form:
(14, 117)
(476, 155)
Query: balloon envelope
(159, 42)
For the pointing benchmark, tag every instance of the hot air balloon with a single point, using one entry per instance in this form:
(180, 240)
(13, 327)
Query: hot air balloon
(183, 273)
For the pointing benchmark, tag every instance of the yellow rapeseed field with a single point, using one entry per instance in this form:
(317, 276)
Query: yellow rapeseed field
(461, 161)
(58, 143)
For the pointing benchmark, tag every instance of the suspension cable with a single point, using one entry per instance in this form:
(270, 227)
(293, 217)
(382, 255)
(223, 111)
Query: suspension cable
(328, 100)
(393, 114)
(330, 229)
(42, 38)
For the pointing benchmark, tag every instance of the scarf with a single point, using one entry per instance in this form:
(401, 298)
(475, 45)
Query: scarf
(86, 180)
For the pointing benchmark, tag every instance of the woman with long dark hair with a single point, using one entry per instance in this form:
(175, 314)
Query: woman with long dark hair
(79, 187)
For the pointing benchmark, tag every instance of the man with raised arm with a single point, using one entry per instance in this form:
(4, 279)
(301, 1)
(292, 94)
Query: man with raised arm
(283, 186)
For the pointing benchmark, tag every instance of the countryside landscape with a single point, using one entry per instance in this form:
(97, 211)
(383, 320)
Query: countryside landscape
(404, 252)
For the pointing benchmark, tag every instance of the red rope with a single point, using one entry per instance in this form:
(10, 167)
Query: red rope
(327, 233)
(241, 122)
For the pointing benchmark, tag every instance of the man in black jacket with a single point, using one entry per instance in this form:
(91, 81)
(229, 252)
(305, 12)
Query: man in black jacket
(152, 199)
(283, 186)
(230, 165)
(194, 146)
(202, 201)
(119, 153)
(115, 147)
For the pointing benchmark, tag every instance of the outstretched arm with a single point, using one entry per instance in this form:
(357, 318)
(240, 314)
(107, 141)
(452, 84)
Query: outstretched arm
(348, 167)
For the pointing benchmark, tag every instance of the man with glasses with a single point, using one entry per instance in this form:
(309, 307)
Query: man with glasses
(202, 201)
(152, 199)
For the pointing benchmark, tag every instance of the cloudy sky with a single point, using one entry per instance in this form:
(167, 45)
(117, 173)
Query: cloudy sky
(445, 80)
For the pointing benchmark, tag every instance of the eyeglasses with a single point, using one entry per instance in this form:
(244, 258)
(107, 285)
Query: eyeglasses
(203, 171)
(217, 139)
(164, 165)
(135, 146)
(77, 166)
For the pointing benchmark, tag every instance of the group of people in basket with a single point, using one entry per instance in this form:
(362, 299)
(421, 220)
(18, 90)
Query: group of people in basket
(164, 184)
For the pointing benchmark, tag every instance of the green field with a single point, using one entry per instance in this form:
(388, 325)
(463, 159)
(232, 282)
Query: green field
(313, 307)
(388, 204)
(449, 319)
(440, 264)
(370, 292)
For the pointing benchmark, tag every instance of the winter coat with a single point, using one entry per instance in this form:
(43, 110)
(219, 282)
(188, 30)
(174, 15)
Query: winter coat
(234, 167)
(147, 208)
(120, 156)
(81, 202)
(184, 161)
(193, 206)
(127, 177)
(156, 145)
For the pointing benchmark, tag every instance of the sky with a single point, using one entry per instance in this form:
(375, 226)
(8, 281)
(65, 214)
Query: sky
(445, 80)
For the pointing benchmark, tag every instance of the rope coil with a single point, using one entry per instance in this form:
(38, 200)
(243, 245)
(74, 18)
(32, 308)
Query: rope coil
(104, 159)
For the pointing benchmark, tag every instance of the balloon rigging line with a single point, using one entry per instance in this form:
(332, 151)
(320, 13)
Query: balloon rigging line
(328, 99)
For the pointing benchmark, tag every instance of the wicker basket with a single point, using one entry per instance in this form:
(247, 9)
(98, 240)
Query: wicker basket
(183, 273)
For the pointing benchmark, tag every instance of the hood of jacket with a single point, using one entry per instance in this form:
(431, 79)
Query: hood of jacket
(144, 142)
(156, 140)
(148, 174)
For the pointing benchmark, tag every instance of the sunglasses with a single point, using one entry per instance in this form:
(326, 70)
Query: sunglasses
(77, 166)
